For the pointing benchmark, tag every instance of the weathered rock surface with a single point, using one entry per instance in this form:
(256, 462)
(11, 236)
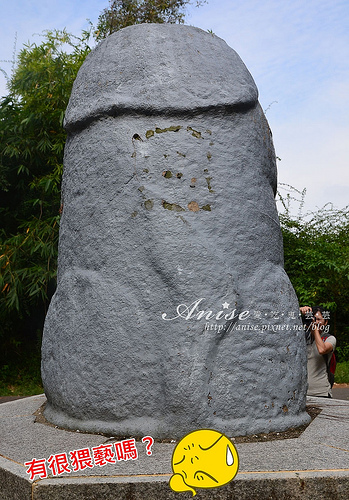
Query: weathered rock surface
(169, 210)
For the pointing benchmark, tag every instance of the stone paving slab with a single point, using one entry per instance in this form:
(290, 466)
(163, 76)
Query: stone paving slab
(314, 465)
(341, 391)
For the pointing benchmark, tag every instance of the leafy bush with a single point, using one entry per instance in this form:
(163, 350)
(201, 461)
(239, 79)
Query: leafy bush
(20, 376)
(316, 255)
(31, 162)
(342, 373)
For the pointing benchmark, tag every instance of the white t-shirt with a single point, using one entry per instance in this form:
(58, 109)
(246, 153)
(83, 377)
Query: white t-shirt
(318, 384)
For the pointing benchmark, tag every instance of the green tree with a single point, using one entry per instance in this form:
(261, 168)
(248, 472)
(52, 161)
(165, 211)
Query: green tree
(122, 13)
(316, 255)
(31, 156)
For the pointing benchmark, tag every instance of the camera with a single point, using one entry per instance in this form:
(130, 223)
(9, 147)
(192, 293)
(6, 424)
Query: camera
(308, 319)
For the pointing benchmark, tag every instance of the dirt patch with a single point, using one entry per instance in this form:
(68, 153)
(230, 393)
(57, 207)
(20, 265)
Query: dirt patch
(6, 399)
(292, 433)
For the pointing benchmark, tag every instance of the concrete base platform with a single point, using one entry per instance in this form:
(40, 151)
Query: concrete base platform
(313, 466)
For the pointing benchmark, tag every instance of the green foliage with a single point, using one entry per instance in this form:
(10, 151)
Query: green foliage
(316, 254)
(20, 374)
(317, 257)
(31, 155)
(342, 350)
(28, 262)
(31, 162)
(342, 373)
(122, 13)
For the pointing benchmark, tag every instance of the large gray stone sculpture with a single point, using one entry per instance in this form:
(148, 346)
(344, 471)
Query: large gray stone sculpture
(168, 214)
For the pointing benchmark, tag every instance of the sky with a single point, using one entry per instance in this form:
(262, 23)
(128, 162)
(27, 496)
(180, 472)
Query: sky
(297, 53)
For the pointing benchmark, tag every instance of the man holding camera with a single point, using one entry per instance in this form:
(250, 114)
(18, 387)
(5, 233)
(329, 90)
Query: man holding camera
(320, 347)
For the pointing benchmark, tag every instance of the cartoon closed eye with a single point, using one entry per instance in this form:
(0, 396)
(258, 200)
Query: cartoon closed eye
(203, 459)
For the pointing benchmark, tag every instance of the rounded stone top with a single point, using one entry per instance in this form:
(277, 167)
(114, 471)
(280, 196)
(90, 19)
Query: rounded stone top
(159, 68)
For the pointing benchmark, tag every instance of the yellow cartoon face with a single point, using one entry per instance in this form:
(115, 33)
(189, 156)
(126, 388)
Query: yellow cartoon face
(203, 459)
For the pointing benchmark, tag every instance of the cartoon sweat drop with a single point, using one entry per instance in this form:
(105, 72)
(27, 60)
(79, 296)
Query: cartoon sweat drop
(203, 459)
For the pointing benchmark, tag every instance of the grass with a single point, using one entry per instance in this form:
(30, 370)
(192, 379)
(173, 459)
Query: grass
(27, 388)
(21, 377)
(342, 373)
